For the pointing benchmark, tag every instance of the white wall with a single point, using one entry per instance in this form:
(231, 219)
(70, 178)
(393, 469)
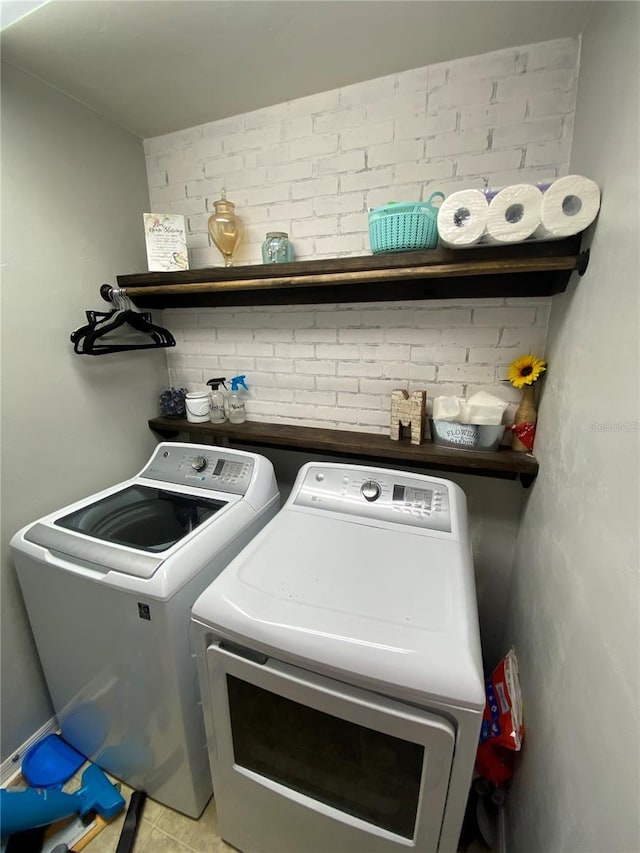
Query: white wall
(335, 366)
(73, 191)
(313, 167)
(574, 612)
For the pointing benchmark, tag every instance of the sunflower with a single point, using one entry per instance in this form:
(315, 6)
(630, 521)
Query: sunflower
(525, 370)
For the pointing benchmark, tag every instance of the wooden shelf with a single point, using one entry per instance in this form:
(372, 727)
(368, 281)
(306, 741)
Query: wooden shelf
(528, 269)
(379, 448)
(525, 270)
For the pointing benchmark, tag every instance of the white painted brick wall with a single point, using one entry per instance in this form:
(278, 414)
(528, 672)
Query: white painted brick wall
(342, 361)
(314, 167)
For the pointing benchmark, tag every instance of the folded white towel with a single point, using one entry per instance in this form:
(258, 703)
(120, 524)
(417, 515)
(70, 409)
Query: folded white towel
(481, 408)
(484, 408)
(446, 409)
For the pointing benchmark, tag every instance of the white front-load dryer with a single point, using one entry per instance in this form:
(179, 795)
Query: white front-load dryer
(340, 669)
(108, 584)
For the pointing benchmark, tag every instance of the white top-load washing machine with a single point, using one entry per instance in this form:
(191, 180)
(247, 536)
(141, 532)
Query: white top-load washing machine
(108, 584)
(340, 669)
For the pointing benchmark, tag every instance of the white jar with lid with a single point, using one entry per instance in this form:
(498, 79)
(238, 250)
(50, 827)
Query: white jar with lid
(197, 406)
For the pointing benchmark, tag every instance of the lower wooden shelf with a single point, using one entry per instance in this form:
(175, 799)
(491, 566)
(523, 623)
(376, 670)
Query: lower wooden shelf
(504, 463)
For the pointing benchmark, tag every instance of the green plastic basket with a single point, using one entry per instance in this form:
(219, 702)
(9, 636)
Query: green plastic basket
(402, 227)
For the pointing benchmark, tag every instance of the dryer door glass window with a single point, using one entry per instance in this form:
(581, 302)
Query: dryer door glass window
(368, 774)
(141, 517)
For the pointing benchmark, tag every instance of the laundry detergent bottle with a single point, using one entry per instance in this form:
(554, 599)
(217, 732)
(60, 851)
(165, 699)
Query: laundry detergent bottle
(217, 414)
(235, 400)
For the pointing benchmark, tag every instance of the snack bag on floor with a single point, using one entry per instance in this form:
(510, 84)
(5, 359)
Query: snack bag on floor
(502, 728)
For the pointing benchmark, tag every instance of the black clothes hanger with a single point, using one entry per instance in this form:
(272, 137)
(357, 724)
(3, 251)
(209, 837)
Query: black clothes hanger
(93, 338)
(94, 341)
(90, 339)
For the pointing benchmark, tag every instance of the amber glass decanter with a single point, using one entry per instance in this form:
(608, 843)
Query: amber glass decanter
(225, 228)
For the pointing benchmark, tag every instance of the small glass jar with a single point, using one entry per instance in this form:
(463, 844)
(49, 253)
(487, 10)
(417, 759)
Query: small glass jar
(276, 248)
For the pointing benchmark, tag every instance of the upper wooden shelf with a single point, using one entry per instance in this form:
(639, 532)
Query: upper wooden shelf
(528, 269)
(504, 463)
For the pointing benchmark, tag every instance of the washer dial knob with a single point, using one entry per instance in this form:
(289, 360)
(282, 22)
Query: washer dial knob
(370, 490)
(199, 463)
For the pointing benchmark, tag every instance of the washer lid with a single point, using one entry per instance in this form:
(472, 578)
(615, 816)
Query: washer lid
(141, 517)
(128, 530)
(392, 610)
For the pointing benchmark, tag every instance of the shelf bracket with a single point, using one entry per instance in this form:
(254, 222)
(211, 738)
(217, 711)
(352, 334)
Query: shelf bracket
(582, 262)
(166, 434)
(526, 480)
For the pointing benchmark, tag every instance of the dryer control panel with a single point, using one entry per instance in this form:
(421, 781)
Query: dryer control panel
(414, 500)
(204, 468)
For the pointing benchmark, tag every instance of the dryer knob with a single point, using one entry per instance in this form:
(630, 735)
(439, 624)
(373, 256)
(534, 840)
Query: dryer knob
(370, 490)
(199, 463)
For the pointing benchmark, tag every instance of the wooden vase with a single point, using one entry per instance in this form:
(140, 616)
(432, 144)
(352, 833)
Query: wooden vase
(525, 418)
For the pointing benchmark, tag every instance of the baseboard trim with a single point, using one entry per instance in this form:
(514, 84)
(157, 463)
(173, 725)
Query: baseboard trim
(11, 766)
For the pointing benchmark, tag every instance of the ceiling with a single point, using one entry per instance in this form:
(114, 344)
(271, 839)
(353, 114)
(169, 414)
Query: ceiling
(155, 66)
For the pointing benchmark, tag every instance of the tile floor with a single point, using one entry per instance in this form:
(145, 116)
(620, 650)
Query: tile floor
(163, 830)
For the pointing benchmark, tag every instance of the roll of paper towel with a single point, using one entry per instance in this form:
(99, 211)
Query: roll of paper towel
(569, 206)
(462, 218)
(514, 214)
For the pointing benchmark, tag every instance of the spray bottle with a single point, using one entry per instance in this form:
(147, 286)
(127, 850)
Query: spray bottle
(235, 401)
(217, 413)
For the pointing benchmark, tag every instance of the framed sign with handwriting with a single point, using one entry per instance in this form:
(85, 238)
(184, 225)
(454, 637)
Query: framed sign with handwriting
(166, 241)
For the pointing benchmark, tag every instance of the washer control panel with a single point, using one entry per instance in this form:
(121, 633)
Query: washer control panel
(402, 498)
(204, 468)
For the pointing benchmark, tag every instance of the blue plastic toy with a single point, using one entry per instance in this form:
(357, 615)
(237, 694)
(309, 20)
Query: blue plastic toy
(22, 809)
(51, 761)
